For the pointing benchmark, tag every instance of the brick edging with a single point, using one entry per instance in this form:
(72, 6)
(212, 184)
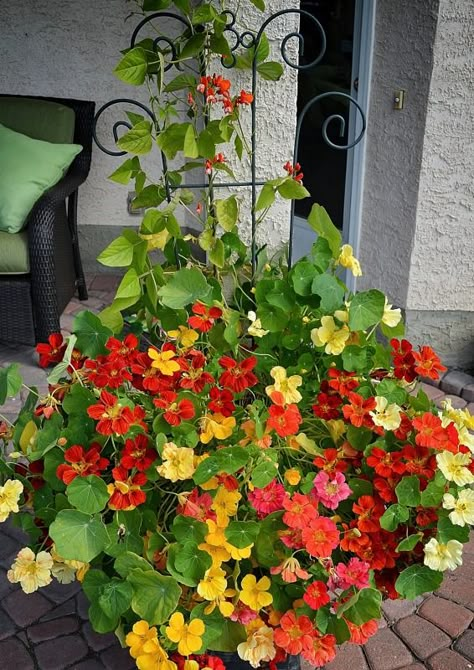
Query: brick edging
(455, 382)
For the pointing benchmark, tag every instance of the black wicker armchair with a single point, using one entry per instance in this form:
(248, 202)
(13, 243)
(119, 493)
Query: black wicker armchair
(31, 304)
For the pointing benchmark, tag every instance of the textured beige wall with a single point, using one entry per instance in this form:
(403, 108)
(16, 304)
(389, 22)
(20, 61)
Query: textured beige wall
(442, 263)
(402, 58)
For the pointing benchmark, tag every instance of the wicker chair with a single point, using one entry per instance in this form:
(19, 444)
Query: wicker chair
(31, 304)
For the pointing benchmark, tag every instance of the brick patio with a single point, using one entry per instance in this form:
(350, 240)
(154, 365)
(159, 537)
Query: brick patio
(49, 630)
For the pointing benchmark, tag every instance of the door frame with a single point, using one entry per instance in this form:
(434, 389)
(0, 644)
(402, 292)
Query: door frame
(362, 57)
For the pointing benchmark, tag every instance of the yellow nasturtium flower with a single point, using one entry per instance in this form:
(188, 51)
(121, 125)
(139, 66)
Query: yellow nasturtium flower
(140, 633)
(178, 462)
(330, 336)
(454, 467)
(154, 657)
(258, 647)
(10, 494)
(443, 557)
(287, 386)
(292, 476)
(255, 594)
(188, 636)
(225, 504)
(213, 587)
(463, 507)
(216, 425)
(386, 415)
(163, 361)
(186, 336)
(391, 317)
(31, 571)
(349, 261)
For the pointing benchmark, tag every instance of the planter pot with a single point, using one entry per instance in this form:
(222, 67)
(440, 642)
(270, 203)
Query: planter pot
(232, 661)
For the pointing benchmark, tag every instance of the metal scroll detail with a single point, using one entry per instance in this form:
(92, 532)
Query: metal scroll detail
(246, 40)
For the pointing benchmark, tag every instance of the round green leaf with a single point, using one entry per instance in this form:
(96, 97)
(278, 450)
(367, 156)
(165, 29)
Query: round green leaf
(242, 533)
(408, 491)
(192, 562)
(416, 580)
(78, 536)
(394, 516)
(155, 597)
(88, 494)
(366, 309)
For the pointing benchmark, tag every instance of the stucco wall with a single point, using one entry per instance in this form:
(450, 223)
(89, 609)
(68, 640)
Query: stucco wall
(69, 48)
(403, 54)
(442, 262)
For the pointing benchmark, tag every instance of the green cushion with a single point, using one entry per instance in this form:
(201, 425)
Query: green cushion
(14, 257)
(40, 119)
(28, 168)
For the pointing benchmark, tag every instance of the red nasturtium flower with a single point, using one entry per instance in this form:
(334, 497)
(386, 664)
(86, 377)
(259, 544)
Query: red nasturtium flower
(193, 376)
(430, 433)
(428, 363)
(137, 454)
(294, 633)
(102, 372)
(125, 492)
(386, 463)
(221, 401)
(321, 537)
(321, 651)
(358, 410)
(51, 351)
(122, 350)
(176, 410)
(205, 317)
(113, 417)
(331, 460)
(341, 381)
(301, 510)
(369, 511)
(238, 376)
(284, 419)
(316, 595)
(327, 406)
(403, 360)
(81, 463)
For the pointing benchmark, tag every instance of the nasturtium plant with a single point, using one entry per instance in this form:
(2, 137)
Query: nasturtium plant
(235, 455)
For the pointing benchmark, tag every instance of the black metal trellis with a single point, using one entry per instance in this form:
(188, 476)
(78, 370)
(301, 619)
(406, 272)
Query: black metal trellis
(247, 40)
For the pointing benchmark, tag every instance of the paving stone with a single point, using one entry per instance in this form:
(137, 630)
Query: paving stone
(382, 623)
(452, 618)
(448, 660)
(394, 610)
(48, 630)
(414, 666)
(25, 609)
(470, 408)
(98, 641)
(117, 658)
(454, 382)
(456, 401)
(348, 656)
(432, 392)
(14, 655)
(9, 548)
(61, 653)
(7, 626)
(105, 282)
(66, 609)
(468, 392)
(59, 593)
(465, 645)
(5, 586)
(385, 651)
(458, 589)
(82, 606)
(421, 636)
(88, 664)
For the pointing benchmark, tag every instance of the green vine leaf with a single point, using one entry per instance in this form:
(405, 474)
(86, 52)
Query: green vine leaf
(138, 140)
(132, 67)
(184, 288)
(321, 223)
(227, 212)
